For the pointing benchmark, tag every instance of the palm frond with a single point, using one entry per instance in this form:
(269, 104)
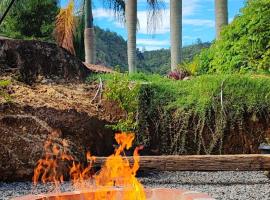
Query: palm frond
(65, 27)
(118, 7)
(154, 19)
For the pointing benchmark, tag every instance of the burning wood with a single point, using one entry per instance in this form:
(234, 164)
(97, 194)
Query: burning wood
(116, 172)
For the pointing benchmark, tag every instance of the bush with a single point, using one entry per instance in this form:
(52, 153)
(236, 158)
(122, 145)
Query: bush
(244, 45)
(194, 116)
(30, 19)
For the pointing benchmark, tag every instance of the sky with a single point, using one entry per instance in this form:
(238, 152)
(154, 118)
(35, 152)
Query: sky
(198, 22)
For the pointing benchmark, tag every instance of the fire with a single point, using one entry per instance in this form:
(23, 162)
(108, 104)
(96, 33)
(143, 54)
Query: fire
(117, 172)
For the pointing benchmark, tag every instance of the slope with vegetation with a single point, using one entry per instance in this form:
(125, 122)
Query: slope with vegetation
(158, 61)
(243, 46)
(210, 114)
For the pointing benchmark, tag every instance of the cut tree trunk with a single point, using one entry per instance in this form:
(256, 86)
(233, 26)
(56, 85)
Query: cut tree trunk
(221, 10)
(252, 162)
(131, 20)
(176, 32)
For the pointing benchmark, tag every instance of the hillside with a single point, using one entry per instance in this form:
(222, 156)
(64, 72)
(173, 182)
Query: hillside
(158, 61)
(112, 51)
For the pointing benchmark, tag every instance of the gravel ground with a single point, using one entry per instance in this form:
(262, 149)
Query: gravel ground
(220, 185)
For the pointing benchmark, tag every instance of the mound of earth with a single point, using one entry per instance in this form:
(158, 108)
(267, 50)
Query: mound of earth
(28, 59)
(77, 112)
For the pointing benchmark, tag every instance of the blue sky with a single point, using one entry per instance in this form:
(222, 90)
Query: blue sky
(198, 22)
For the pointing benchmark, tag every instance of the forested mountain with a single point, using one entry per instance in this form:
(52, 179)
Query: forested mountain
(158, 61)
(112, 51)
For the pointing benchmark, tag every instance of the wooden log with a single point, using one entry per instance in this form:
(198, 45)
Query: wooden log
(245, 162)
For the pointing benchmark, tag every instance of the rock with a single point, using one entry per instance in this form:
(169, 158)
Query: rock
(31, 59)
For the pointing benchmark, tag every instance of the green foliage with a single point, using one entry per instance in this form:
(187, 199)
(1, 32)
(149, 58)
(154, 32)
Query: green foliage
(112, 51)
(125, 93)
(111, 48)
(244, 45)
(206, 107)
(3, 93)
(168, 112)
(30, 19)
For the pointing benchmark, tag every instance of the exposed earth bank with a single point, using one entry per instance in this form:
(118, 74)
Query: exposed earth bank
(36, 111)
(48, 95)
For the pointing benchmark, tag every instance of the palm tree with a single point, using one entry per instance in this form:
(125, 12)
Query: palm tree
(221, 10)
(89, 34)
(65, 26)
(176, 32)
(131, 23)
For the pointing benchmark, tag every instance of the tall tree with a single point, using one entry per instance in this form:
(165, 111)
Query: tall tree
(221, 10)
(66, 24)
(131, 23)
(176, 32)
(89, 34)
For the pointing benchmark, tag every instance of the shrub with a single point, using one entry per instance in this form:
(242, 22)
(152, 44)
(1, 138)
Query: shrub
(175, 117)
(244, 45)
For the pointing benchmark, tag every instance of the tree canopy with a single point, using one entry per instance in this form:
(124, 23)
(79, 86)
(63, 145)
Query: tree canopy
(33, 19)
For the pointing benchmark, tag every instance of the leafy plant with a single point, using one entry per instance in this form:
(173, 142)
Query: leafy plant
(244, 44)
(176, 116)
(29, 19)
(125, 93)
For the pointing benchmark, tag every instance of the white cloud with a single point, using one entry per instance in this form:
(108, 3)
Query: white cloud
(199, 22)
(152, 42)
(103, 13)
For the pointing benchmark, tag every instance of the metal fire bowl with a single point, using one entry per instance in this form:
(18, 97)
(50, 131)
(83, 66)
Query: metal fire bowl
(151, 194)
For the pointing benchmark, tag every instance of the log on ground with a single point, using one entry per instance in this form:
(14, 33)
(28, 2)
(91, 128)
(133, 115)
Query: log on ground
(247, 162)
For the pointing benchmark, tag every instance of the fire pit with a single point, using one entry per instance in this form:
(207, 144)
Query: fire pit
(115, 181)
(117, 193)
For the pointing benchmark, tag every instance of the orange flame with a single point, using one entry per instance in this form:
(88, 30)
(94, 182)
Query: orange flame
(116, 172)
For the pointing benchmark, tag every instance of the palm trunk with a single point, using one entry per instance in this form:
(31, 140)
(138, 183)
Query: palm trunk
(89, 34)
(221, 10)
(176, 32)
(131, 21)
